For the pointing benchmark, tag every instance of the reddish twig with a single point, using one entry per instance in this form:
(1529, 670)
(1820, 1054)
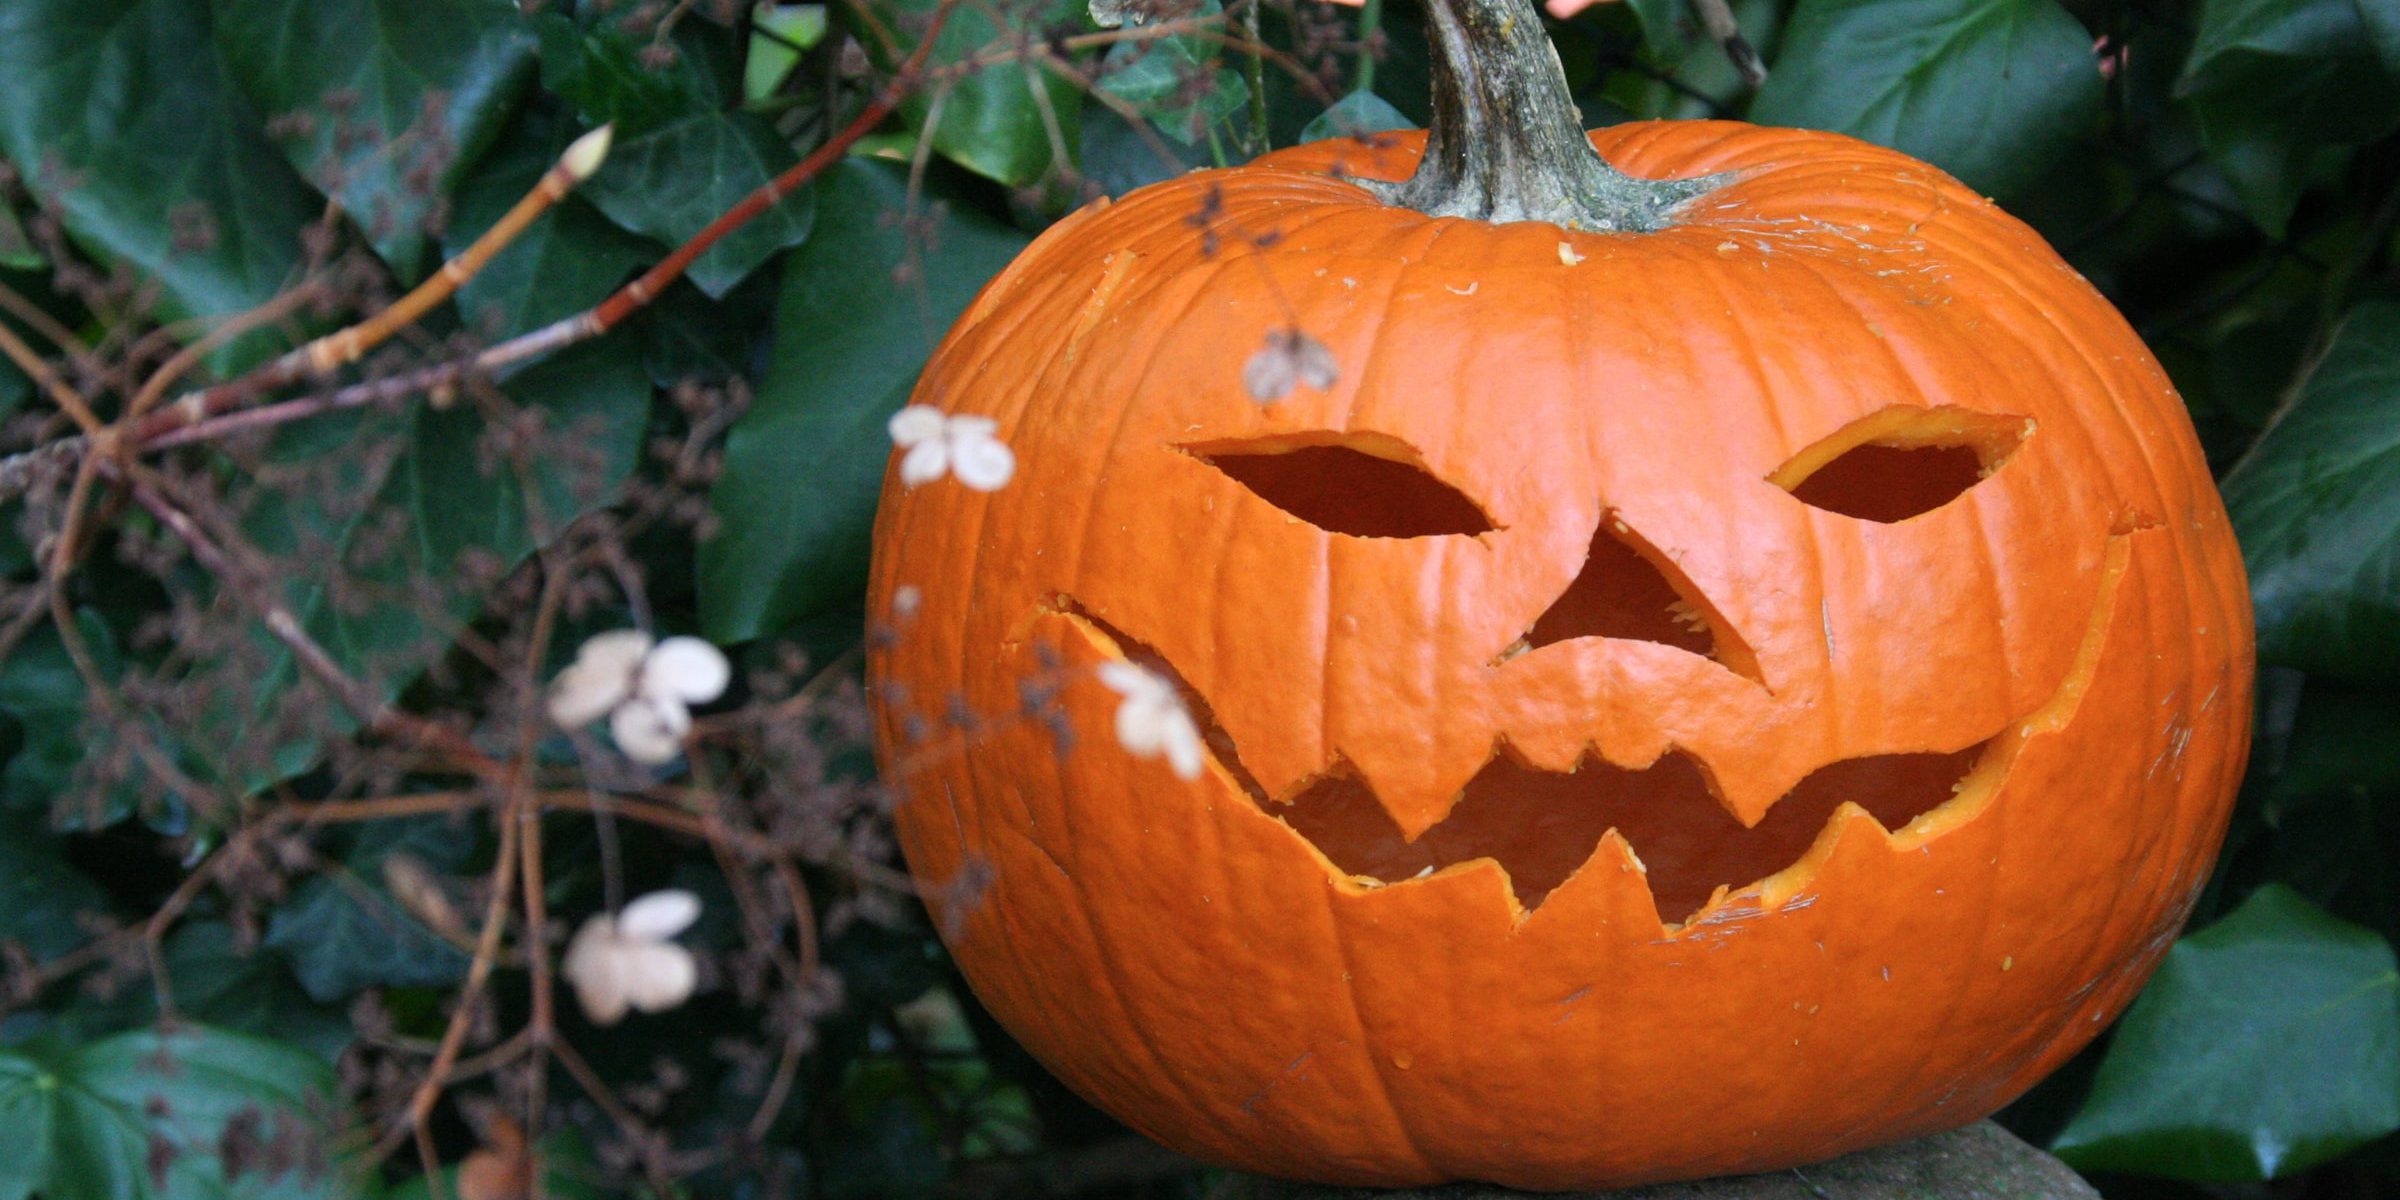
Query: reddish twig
(211, 413)
(625, 301)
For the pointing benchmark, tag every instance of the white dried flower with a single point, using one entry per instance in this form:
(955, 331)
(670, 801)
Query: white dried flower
(600, 678)
(1289, 359)
(966, 447)
(649, 733)
(1152, 719)
(627, 962)
(644, 687)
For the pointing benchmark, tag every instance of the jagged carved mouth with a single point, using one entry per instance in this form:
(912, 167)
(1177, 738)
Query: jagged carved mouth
(1541, 826)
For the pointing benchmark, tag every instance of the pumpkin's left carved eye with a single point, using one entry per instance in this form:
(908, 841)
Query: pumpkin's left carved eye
(1902, 461)
(1358, 484)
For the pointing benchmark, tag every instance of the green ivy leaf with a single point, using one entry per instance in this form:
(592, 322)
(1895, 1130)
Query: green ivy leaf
(2267, 1043)
(688, 337)
(2383, 29)
(1154, 76)
(455, 500)
(40, 892)
(1667, 26)
(671, 183)
(2316, 506)
(779, 28)
(384, 103)
(804, 464)
(1992, 91)
(45, 695)
(2280, 87)
(611, 77)
(1355, 114)
(17, 251)
(345, 933)
(1689, 75)
(143, 1116)
(2340, 743)
(219, 980)
(1118, 155)
(993, 121)
(246, 990)
(123, 119)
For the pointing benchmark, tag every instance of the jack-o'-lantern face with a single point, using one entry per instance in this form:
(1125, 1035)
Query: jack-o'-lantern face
(1537, 815)
(1678, 703)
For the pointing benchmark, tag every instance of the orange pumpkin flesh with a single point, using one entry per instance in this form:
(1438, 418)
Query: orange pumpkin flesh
(1781, 685)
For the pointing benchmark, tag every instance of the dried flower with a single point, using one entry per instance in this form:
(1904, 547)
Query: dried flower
(626, 961)
(939, 444)
(1289, 359)
(644, 687)
(1151, 720)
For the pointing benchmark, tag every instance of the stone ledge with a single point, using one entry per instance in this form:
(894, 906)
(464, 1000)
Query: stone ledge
(1979, 1162)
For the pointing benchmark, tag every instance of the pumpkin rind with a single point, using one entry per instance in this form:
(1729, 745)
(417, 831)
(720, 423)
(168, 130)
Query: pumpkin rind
(1191, 963)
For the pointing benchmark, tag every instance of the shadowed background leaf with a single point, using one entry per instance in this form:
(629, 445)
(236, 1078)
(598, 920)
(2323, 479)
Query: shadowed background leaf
(83, 1121)
(2267, 1043)
(2317, 505)
(383, 103)
(804, 464)
(116, 112)
(1992, 91)
(2227, 171)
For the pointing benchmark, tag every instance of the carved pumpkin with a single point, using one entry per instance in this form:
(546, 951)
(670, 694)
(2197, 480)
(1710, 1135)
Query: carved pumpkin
(1679, 702)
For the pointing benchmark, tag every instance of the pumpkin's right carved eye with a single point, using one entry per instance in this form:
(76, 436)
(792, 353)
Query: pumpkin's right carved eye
(1358, 484)
(1902, 461)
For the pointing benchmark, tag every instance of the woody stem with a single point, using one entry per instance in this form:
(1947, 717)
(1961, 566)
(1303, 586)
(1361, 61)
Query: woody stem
(1506, 142)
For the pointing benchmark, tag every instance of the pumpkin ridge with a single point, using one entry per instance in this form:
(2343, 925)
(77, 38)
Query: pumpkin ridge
(1409, 1140)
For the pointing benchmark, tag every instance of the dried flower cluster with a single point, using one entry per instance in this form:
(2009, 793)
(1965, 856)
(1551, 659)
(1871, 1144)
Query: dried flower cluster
(644, 687)
(628, 962)
(963, 446)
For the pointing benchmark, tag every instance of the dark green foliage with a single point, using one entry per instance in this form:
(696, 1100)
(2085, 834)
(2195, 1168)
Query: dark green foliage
(343, 931)
(2317, 504)
(368, 93)
(2267, 1043)
(146, 1114)
(41, 893)
(2281, 88)
(44, 695)
(1006, 121)
(2227, 171)
(671, 182)
(1993, 90)
(117, 113)
(849, 337)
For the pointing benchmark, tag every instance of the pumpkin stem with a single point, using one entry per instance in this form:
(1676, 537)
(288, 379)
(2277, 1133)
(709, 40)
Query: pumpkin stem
(1507, 143)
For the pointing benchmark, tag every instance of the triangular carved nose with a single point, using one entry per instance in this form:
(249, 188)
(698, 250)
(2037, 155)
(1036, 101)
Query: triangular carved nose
(1628, 590)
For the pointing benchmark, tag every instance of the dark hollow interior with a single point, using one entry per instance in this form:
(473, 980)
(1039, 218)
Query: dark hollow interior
(1542, 825)
(1342, 490)
(1619, 594)
(1891, 483)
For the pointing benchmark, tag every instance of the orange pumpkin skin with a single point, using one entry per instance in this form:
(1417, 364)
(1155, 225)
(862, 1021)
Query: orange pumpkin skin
(1186, 959)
